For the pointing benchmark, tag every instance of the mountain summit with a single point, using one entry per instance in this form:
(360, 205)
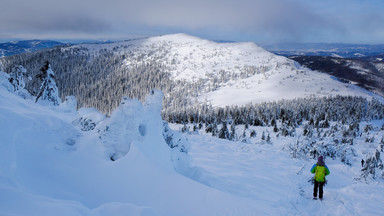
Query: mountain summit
(189, 71)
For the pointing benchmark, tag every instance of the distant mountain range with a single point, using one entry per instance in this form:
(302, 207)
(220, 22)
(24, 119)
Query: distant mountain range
(360, 64)
(328, 49)
(365, 72)
(18, 47)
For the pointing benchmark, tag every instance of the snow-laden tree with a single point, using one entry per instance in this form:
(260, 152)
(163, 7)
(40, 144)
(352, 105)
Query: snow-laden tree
(48, 90)
(232, 135)
(223, 133)
(374, 167)
(16, 77)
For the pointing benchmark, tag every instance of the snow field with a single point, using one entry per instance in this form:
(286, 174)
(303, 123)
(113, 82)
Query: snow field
(279, 184)
(278, 84)
(48, 166)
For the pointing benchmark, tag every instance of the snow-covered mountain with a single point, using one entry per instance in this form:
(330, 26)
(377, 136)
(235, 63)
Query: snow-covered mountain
(18, 47)
(245, 72)
(187, 69)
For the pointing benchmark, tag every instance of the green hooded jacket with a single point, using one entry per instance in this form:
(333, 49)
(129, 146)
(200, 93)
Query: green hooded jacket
(320, 172)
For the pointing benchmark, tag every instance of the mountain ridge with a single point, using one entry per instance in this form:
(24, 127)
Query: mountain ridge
(343, 50)
(18, 47)
(189, 70)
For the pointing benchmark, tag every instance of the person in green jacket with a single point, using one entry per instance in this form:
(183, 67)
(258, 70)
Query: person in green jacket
(321, 170)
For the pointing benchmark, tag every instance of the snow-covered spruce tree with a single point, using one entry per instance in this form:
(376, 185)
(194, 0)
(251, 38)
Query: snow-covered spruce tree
(215, 131)
(16, 77)
(374, 167)
(269, 138)
(253, 133)
(223, 133)
(185, 128)
(48, 90)
(174, 139)
(232, 134)
(263, 136)
(208, 128)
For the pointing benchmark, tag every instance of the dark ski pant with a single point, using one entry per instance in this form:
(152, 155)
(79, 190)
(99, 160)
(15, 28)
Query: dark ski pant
(318, 186)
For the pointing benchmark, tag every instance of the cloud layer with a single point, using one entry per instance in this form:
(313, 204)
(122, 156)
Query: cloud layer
(257, 20)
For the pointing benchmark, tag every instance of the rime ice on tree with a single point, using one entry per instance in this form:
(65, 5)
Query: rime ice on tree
(17, 77)
(48, 90)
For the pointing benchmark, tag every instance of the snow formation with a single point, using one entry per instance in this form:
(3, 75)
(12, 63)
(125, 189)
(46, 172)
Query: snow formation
(49, 166)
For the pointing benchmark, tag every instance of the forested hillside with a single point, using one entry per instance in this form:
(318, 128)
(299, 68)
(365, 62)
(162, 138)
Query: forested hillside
(190, 71)
(367, 72)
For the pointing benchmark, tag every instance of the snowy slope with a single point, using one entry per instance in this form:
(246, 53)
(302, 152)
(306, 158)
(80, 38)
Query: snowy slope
(279, 184)
(227, 73)
(282, 83)
(48, 166)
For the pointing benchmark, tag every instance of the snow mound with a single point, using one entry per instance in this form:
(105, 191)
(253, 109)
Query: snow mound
(48, 165)
(134, 122)
(4, 83)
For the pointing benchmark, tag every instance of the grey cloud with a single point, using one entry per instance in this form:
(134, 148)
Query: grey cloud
(277, 18)
(76, 24)
(268, 19)
(45, 17)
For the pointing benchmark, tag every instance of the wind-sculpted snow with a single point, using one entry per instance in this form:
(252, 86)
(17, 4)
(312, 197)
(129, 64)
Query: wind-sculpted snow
(4, 82)
(133, 122)
(49, 166)
(123, 128)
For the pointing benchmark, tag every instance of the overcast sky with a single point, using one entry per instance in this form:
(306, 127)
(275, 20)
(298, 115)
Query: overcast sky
(262, 21)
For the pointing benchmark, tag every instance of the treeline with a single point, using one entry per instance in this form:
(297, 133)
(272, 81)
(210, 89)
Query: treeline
(328, 126)
(100, 79)
(317, 111)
